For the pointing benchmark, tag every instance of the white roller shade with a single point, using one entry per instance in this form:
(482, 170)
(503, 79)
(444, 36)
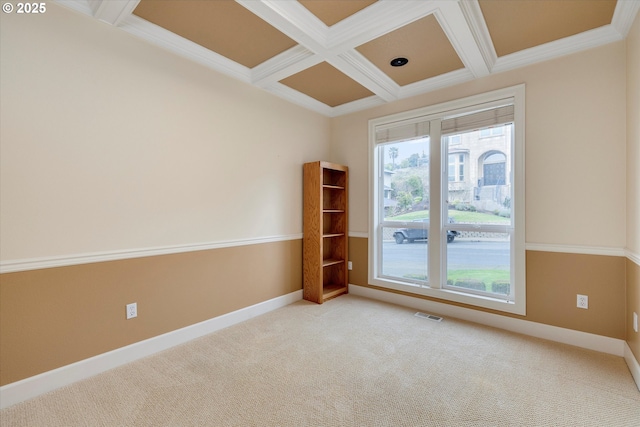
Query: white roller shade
(478, 120)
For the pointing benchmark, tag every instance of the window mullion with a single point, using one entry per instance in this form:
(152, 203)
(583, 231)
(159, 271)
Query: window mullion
(437, 170)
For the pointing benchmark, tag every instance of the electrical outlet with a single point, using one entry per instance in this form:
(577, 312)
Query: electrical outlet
(349, 265)
(583, 301)
(635, 321)
(132, 310)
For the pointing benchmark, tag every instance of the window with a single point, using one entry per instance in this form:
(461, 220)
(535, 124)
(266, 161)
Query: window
(456, 167)
(448, 203)
(496, 131)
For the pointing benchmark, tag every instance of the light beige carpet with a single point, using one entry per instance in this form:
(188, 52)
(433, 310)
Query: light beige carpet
(350, 362)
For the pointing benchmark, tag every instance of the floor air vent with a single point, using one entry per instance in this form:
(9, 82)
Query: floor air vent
(429, 316)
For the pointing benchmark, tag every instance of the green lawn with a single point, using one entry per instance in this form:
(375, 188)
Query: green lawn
(487, 276)
(488, 280)
(458, 216)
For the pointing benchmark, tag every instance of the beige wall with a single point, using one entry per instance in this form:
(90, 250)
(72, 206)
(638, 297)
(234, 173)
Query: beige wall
(575, 183)
(110, 143)
(633, 184)
(572, 103)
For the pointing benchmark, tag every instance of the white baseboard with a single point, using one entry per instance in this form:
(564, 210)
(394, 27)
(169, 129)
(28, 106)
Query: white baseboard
(553, 333)
(633, 364)
(29, 388)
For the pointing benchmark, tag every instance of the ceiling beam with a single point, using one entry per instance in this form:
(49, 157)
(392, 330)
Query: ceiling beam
(478, 27)
(112, 11)
(461, 20)
(624, 15)
(377, 20)
(455, 25)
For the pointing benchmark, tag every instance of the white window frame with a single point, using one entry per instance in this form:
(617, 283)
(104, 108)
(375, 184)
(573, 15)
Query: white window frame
(439, 174)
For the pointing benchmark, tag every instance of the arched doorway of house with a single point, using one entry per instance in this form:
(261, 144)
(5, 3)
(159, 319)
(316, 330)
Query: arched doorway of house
(494, 168)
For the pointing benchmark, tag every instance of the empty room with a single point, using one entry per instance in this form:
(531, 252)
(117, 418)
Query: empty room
(320, 212)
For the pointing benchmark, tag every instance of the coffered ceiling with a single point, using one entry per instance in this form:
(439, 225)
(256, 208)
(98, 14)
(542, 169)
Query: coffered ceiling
(333, 56)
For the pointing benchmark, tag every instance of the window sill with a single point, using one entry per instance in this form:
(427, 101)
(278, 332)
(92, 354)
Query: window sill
(455, 296)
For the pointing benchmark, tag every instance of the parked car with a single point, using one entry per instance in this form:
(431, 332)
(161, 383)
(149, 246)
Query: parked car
(413, 234)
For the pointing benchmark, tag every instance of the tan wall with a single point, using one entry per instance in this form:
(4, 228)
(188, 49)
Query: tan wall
(633, 305)
(110, 143)
(633, 138)
(553, 281)
(53, 317)
(633, 184)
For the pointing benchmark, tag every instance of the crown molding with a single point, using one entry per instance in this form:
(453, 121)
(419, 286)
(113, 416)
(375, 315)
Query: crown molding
(434, 83)
(84, 7)
(624, 15)
(299, 98)
(355, 106)
(172, 42)
(113, 11)
(569, 45)
(461, 20)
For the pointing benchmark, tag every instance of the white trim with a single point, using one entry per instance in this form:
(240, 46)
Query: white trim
(376, 20)
(281, 66)
(553, 333)
(31, 387)
(113, 12)
(84, 7)
(575, 249)
(361, 70)
(454, 23)
(462, 21)
(555, 49)
(478, 26)
(434, 83)
(184, 47)
(355, 106)
(624, 15)
(293, 20)
(299, 98)
(435, 113)
(12, 266)
(632, 363)
(633, 256)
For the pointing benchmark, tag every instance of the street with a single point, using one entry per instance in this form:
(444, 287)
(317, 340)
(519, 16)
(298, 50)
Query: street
(410, 259)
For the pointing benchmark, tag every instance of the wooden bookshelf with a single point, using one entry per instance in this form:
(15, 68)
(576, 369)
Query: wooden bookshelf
(325, 241)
